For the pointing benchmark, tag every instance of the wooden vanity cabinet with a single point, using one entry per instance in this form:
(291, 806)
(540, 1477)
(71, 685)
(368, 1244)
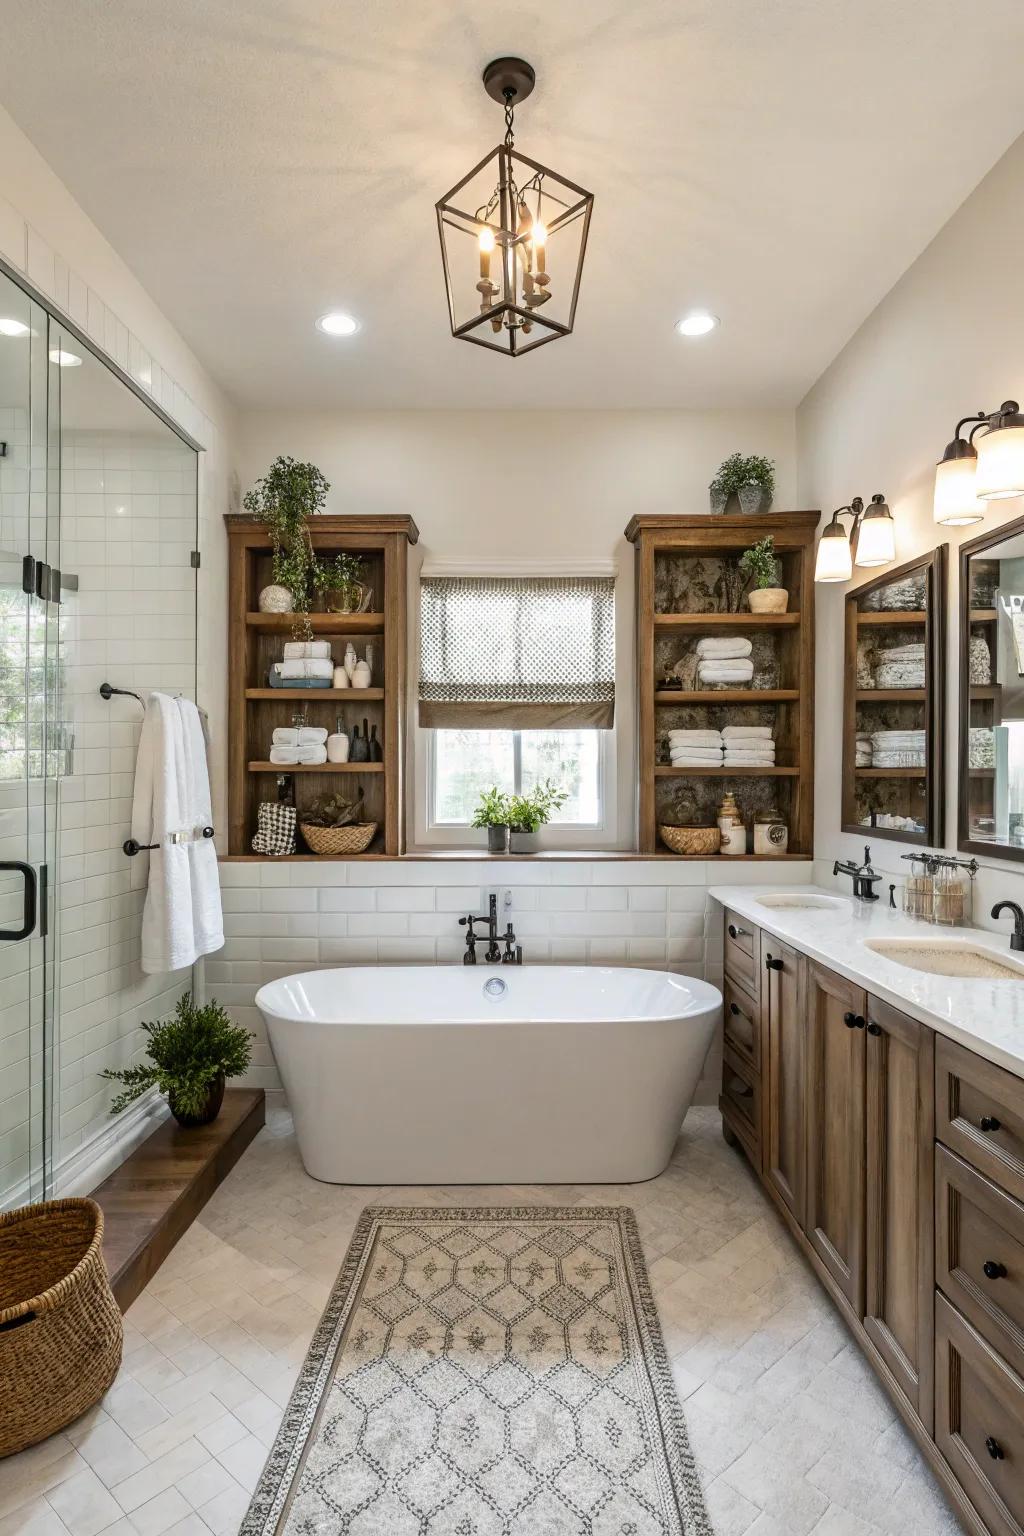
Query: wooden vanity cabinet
(784, 1111)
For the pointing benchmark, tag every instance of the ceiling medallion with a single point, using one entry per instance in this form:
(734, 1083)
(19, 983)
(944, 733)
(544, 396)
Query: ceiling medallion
(512, 268)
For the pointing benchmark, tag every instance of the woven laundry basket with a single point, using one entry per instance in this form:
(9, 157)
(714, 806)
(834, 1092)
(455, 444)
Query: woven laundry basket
(354, 838)
(60, 1327)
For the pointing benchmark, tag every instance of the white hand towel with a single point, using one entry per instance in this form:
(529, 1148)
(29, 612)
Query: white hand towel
(312, 735)
(725, 672)
(281, 756)
(312, 754)
(207, 914)
(300, 668)
(691, 760)
(307, 650)
(696, 754)
(694, 739)
(692, 734)
(158, 809)
(746, 733)
(725, 647)
(285, 736)
(748, 760)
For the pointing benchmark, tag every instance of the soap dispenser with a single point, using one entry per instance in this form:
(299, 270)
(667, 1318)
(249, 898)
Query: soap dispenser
(337, 744)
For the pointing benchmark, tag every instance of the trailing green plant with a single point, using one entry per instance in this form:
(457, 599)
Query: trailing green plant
(529, 812)
(493, 809)
(342, 573)
(745, 469)
(285, 498)
(187, 1054)
(334, 811)
(760, 563)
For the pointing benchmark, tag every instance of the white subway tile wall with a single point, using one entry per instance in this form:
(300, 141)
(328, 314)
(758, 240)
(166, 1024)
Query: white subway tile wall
(280, 918)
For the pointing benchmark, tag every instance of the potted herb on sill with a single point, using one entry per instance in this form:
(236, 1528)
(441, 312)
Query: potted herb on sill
(493, 812)
(761, 565)
(750, 478)
(286, 497)
(529, 813)
(190, 1057)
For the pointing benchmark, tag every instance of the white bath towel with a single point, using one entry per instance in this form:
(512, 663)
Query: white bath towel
(694, 739)
(746, 733)
(695, 754)
(307, 650)
(207, 914)
(283, 757)
(299, 736)
(691, 760)
(724, 648)
(725, 672)
(312, 754)
(748, 760)
(301, 668)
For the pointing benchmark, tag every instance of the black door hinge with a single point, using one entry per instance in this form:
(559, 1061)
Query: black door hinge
(3, 450)
(28, 575)
(194, 560)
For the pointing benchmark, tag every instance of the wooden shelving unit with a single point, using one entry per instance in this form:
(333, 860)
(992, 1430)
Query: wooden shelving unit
(254, 708)
(675, 606)
(910, 794)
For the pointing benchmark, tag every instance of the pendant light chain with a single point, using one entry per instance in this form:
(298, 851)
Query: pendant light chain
(510, 97)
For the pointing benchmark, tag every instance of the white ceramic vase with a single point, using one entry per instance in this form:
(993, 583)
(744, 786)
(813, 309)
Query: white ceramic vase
(337, 747)
(360, 675)
(350, 659)
(341, 678)
(768, 600)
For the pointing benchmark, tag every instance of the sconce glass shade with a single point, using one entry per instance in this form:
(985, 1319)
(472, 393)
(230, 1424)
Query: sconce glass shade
(834, 560)
(956, 503)
(1001, 456)
(876, 535)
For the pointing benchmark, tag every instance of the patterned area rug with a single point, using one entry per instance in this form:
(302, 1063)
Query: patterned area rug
(485, 1372)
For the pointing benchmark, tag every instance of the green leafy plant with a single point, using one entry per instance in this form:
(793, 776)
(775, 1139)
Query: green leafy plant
(528, 812)
(493, 809)
(760, 564)
(343, 574)
(187, 1054)
(740, 469)
(334, 811)
(285, 498)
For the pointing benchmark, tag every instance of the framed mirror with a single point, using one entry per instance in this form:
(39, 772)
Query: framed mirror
(893, 780)
(990, 800)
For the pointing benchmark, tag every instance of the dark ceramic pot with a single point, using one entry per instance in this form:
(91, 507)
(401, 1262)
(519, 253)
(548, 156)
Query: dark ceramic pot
(209, 1111)
(497, 839)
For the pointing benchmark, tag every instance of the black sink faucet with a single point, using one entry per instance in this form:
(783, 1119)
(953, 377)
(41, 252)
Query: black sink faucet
(864, 877)
(513, 954)
(1017, 936)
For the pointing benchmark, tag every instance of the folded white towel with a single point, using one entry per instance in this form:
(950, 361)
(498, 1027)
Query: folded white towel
(312, 754)
(301, 668)
(734, 646)
(692, 735)
(748, 760)
(750, 748)
(283, 755)
(299, 736)
(695, 739)
(307, 650)
(696, 754)
(746, 733)
(692, 761)
(713, 672)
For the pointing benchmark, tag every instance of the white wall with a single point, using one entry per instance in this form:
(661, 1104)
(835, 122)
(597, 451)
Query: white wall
(556, 484)
(947, 340)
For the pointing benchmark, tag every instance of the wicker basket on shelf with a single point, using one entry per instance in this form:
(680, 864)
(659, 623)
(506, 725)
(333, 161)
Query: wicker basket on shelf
(702, 841)
(355, 838)
(60, 1327)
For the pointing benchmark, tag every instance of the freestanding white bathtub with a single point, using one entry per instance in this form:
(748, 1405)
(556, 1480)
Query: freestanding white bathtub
(473, 1075)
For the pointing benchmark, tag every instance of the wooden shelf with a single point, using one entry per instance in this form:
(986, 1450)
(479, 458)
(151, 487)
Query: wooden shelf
(320, 623)
(318, 695)
(665, 771)
(726, 620)
(986, 690)
(316, 767)
(981, 773)
(891, 773)
(984, 615)
(891, 695)
(726, 696)
(894, 616)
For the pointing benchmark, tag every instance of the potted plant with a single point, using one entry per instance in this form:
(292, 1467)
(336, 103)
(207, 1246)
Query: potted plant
(340, 581)
(190, 1056)
(748, 477)
(760, 564)
(286, 497)
(494, 812)
(528, 813)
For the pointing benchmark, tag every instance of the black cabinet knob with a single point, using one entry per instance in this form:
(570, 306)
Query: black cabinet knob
(989, 1123)
(850, 1020)
(874, 1029)
(858, 1022)
(994, 1449)
(733, 1009)
(773, 964)
(994, 1270)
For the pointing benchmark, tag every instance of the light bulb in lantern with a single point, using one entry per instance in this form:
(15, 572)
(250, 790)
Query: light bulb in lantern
(540, 240)
(1000, 471)
(834, 561)
(486, 241)
(876, 535)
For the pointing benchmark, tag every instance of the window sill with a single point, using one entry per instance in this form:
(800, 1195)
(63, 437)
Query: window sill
(481, 856)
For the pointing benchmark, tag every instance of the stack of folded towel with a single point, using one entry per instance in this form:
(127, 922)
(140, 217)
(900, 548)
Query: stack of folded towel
(299, 744)
(900, 666)
(865, 750)
(695, 749)
(982, 748)
(749, 746)
(898, 749)
(307, 650)
(304, 673)
(726, 661)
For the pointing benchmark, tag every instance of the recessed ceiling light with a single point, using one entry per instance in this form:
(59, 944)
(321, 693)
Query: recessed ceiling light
(337, 323)
(65, 359)
(10, 327)
(697, 323)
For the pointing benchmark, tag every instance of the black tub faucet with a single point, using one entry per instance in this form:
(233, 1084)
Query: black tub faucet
(864, 877)
(493, 954)
(1017, 936)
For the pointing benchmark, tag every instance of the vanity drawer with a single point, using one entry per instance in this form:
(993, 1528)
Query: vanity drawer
(979, 1113)
(740, 1103)
(742, 1027)
(741, 950)
(979, 1421)
(979, 1253)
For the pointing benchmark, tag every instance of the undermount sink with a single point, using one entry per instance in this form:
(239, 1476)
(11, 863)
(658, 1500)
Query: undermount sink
(947, 957)
(797, 901)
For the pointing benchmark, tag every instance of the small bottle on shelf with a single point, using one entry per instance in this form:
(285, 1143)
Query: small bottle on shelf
(338, 744)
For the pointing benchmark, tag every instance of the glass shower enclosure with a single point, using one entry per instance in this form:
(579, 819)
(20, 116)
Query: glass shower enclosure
(97, 528)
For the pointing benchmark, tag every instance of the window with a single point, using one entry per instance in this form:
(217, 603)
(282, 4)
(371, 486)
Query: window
(466, 763)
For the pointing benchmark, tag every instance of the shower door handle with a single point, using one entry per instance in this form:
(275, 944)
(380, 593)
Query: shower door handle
(29, 914)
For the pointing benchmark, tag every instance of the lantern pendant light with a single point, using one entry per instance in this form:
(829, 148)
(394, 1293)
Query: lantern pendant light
(512, 266)
(871, 541)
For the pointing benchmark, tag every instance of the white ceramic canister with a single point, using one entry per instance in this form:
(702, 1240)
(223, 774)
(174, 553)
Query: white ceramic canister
(360, 675)
(337, 744)
(350, 659)
(771, 835)
(341, 678)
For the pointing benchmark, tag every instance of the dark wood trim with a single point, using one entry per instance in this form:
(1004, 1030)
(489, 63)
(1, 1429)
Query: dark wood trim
(734, 526)
(341, 523)
(933, 617)
(159, 1190)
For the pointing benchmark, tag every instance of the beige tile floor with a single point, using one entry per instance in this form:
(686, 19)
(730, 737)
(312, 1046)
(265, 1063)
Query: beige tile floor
(790, 1430)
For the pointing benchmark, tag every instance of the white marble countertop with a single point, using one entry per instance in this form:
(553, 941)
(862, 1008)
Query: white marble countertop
(985, 1015)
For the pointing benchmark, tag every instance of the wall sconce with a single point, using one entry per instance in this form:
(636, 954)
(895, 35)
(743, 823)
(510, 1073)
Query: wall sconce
(871, 540)
(967, 476)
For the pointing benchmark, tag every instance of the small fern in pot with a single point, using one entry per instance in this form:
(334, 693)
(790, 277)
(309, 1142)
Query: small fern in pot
(190, 1057)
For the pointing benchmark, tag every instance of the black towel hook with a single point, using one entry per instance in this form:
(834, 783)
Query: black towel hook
(107, 691)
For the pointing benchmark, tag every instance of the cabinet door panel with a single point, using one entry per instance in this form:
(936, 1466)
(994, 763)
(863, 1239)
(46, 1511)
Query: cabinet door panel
(835, 1128)
(899, 1245)
(785, 1118)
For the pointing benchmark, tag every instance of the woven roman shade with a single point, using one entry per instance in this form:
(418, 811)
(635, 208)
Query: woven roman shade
(517, 652)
